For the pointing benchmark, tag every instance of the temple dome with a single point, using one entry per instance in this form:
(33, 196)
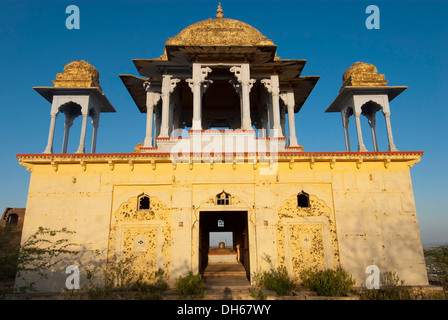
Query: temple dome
(363, 74)
(219, 31)
(78, 74)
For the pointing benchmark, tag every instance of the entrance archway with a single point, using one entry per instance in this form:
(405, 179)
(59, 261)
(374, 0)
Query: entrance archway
(235, 222)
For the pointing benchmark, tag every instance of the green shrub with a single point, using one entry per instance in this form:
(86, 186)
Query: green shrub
(391, 288)
(277, 280)
(190, 285)
(329, 282)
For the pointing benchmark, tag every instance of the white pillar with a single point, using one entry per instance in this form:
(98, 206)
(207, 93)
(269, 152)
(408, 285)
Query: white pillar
(288, 99)
(198, 85)
(372, 123)
(272, 85)
(152, 98)
(82, 139)
(242, 74)
(246, 86)
(345, 122)
(95, 124)
(168, 86)
(49, 147)
(149, 124)
(361, 146)
(67, 124)
(389, 131)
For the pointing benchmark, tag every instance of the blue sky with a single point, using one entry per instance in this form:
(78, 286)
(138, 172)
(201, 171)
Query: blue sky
(410, 48)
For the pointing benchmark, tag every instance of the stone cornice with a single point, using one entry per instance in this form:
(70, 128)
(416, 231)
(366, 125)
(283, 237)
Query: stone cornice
(409, 157)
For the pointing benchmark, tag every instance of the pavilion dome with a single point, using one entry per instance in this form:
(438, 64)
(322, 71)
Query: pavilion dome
(219, 31)
(363, 74)
(78, 74)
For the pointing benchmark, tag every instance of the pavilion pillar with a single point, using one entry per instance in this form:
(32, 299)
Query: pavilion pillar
(361, 146)
(67, 125)
(168, 86)
(345, 122)
(95, 124)
(82, 139)
(273, 87)
(49, 147)
(389, 131)
(288, 99)
(152, 99)
(245, 84)
(372, 123)
(198, 85)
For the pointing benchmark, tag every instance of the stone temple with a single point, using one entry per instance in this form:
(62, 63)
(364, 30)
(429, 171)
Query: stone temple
(221, 153)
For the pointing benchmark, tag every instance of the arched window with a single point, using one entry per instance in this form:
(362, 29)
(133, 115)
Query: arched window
(143, 202)
(220, 223)
(13, 219)
(223, 199)
(303, 200)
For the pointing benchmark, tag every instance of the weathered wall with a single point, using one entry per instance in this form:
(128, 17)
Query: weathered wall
(357, 216)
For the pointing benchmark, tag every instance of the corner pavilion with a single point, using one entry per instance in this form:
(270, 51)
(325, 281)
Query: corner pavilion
(221, 153)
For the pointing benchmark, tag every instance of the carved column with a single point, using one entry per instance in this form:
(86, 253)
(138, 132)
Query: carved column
(272, 85)
(198, 85)
(361, 146)
(49, 147)
(152, 98)
(242, 74)
(168, 86)
(389, 131)
(288, 99)
(82, 139)
(67, 124)
(372, 123)
(95, 124)
(345, 122)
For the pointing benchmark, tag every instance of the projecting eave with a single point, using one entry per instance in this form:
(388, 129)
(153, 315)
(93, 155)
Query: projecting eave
(153, 68)
(302, 89)
(135, 87)
(204, 54)
(347, 92)
(49, 92)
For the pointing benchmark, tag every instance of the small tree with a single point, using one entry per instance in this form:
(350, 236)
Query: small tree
(41, 252)
(9, 252)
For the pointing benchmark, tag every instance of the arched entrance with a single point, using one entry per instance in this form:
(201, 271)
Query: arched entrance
(234, 222)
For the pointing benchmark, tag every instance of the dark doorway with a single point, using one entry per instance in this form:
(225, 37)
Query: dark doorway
(224, 221)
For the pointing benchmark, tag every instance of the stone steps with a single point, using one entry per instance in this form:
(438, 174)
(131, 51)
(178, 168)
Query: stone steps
(226, 281)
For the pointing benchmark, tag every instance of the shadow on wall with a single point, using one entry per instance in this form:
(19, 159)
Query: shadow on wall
(51, 262)
(391, 242)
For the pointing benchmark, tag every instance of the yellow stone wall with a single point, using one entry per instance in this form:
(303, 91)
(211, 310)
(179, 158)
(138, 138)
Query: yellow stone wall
(360, 214)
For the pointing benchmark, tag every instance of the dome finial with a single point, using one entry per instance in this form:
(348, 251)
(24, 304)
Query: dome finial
(219, 13)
